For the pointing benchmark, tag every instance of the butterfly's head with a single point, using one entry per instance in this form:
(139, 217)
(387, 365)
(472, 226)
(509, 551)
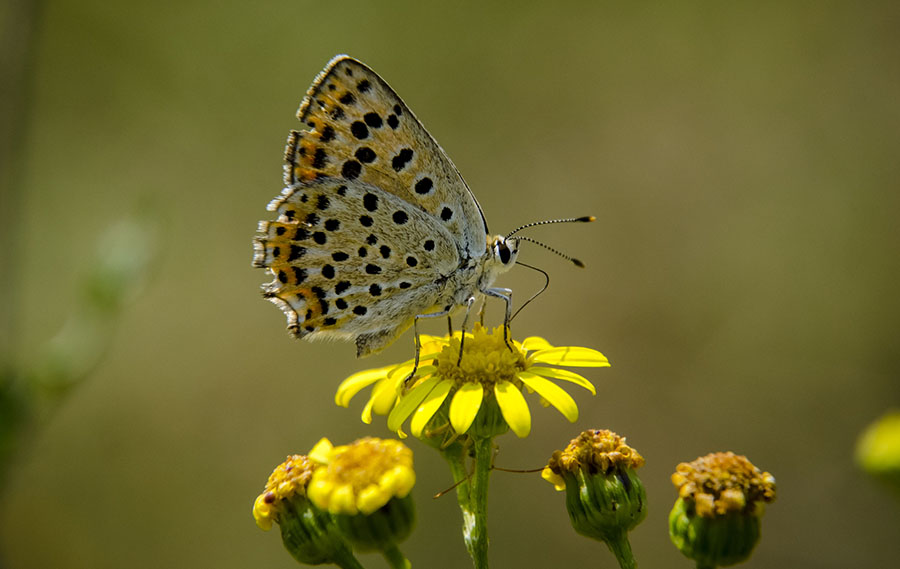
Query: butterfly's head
(503, 252)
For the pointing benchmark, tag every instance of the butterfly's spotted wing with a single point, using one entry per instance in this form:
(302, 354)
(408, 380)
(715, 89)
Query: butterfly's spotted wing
(359, 129)
(373, 218)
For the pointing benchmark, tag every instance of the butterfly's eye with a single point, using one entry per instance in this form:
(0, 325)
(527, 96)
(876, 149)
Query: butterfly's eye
(503, 252)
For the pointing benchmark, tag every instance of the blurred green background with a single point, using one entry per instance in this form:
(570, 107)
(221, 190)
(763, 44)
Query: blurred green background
(743, 164)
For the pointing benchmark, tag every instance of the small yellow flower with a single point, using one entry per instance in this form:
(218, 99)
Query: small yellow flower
(288, 480)
(489, 375)
(360, 477)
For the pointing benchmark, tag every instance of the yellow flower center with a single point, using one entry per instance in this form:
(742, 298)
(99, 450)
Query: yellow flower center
(597, 450)
(724, 482)
(487, 359)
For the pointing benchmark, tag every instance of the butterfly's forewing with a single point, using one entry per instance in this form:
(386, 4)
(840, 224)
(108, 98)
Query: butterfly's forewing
(358, 129)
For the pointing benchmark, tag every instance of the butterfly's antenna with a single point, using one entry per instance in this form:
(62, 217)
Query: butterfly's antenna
(583, 219)
(574, 261)
(538, 293)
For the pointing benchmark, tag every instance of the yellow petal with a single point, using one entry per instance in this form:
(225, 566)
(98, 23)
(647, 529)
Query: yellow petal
(408, 403)
(371, 498)
(262, 513)
(356, 382)
(319, 491)
(553, 393)
(514, 408)
(570, 356)
(553, 478)
(565, 375)
(384, 395)
(366, 414)
(432, 342)
(465, 405)
(535, 343)
(402, 371)
(342, 500)
(398, 481)
(321, 453)
(429, 407)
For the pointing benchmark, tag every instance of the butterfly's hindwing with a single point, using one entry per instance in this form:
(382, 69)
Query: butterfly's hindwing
(358, 129)
(350, 258)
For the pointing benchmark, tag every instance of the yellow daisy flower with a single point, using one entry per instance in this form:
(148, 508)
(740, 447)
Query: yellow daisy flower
(489, 378)
(360, 477)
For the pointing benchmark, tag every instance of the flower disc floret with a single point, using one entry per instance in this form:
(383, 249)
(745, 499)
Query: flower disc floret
(487, 359)
(595, 451)
(289, 480)
(361, 477)
(723, 482)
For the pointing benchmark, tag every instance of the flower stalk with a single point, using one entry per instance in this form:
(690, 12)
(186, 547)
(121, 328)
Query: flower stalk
(475, 520)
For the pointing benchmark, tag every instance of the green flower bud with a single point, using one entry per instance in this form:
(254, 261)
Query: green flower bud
(716, 519)
(604, 496)
(308, 533)
(878, 449)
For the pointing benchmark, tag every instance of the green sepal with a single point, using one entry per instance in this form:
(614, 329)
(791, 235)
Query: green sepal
(309, 534)
(713, 542)
(489, 421)
(605, 506)
(384, 528)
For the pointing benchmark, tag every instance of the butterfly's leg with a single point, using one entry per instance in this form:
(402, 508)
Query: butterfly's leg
(445, 312)
(506, 295)
(481, 311)
(462, 340)
(449, 326)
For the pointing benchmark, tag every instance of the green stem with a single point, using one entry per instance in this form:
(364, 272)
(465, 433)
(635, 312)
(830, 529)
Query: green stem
(475, 516)
(621, 548)
(396, 559)
(454, 457)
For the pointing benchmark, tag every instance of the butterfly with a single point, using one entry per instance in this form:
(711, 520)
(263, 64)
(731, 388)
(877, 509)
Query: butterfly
(375, 226)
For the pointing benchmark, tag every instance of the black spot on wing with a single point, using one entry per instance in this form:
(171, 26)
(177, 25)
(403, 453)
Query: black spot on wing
(402, 158)
(359, 130)
(373, 120)
(351, 169)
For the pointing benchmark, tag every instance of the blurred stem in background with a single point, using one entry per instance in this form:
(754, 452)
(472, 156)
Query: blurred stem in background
(18, 34)
(18, 46)
(30, 391)
(19, 21)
